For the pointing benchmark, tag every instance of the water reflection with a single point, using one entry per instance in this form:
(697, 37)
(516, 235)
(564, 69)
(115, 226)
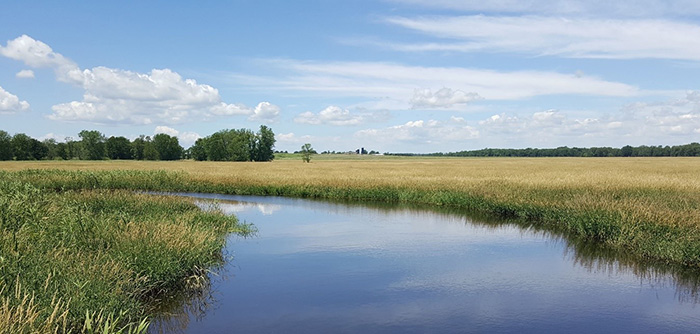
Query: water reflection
(387, 268)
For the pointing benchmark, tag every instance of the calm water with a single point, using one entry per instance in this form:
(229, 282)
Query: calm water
(318, 267)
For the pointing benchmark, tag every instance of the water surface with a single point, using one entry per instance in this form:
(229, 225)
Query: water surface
(319, 267)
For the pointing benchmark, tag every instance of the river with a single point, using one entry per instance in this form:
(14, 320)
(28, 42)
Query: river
(321, 267)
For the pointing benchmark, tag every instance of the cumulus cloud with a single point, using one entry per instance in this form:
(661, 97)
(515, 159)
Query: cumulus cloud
(556, 36)
(186, 139)
(122, 96)
(25, 74)
(265, 112)
(166, 130)
(10, 103)
(332, 115)
(423, 132)
(443, 98)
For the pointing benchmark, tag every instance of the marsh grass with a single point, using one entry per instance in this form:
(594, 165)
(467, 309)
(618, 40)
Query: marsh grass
(89, 261)
(644, 208)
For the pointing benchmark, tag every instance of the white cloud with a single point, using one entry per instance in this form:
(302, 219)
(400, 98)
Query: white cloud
(332, 115)
(223, 109)
(166, 130)
(51, 135)
(38, 54)
(395, 82)
(10, 103)
(292, 138)
(422, 132)
(121, 96)
(25, 74)
(265, 112)
(443, 98)
(186, 139)
(675, 121)
(539, 35)
(558, 7)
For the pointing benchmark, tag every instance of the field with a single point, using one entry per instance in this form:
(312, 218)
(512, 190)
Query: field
(647, 208)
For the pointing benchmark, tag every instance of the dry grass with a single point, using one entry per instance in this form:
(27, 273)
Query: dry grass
(665, 190)
(649, 207)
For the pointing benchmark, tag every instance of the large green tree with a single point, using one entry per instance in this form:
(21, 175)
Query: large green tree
(138, 145)
(118, 148)
(265, 142)
(168, 147)
(22, 146)
(93, 143)
(198, 151)
(5, 146)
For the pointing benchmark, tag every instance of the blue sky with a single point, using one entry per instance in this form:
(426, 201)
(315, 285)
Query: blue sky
(394, 75)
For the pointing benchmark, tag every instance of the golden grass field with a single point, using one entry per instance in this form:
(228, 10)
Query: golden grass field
(663, 190)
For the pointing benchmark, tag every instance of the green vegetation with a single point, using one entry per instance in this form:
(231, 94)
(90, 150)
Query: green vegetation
(225, 145)
(235, 145)
(306, 152)
(689, 150)
(78, 259)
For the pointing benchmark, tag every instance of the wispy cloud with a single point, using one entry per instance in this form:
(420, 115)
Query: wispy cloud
(556, 36)
(422, 132)
(398, 82)
(626, 8)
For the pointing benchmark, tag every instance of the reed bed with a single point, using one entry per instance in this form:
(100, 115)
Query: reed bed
(77, 259)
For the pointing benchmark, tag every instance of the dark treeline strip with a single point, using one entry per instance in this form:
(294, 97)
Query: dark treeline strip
(688, 150)
(225, 145)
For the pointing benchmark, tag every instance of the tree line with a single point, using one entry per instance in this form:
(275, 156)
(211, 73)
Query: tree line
(688, 150)
(225, 145)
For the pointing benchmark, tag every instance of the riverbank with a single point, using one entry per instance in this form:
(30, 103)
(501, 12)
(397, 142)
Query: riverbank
(645, 207)
(76, 259)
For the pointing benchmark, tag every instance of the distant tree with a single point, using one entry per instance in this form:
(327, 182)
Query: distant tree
(167, 146)
(215, 146)
(62, 151)
(138, 145)
(51, 148)
(5, 146)
(241, 145)
(627, 151)
(22, 146)
(198, 151)
(73, 148)
(150, 152)
(265, 142)
(38, 150)
(93, 144)
(306, 152)
(118, 148)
